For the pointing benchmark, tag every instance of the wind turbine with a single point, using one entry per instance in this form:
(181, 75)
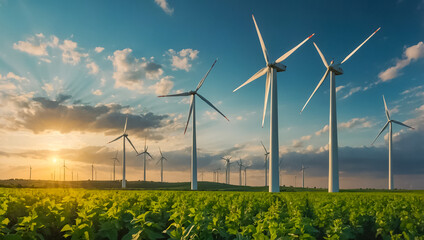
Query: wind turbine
(92, 172)
(161, 165)
(64, 167)
(125, 136)
(30, 172)
(144, 153)
(115, 159)
(271, 70)
(266, 164)
(302, 169)
(227, 169)
(217, 174)
(389, 123)
(334, 69)
(193, 111)
(240, 163)
(245, 178)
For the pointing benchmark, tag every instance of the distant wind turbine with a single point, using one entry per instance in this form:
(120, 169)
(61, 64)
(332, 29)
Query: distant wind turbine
(302, 169)
(389, 123)
(240, 163)
(144, 153)
(64, 167)
(271, 70)
(227, 169)
(30, 172)
(161, 164)
(334, 69)
(125, 136)
(192, 111)
(245, 175)
(115, 159)
(92, 172)
(265, 164)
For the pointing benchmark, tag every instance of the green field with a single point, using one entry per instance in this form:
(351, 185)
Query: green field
(67, 213)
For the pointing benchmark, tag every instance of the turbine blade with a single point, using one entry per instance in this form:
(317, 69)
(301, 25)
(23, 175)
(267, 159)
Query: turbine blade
(116, 156)
(189, 113)
(125, 127)
(384, 128)
(386, 109)
(267, 86)
(261, 41)
(356, 49)
(203, 79)
(210, 104)
(287, 54)
(264, 147)
(400, 123)
(160, 152)
(149, 155)
(115, 139)
(132, 145)
(176, 95)
(319, 84)
(322, 56)
(260, 73)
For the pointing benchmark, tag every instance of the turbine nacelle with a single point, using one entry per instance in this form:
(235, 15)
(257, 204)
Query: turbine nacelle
(336, 68)
(278, 66)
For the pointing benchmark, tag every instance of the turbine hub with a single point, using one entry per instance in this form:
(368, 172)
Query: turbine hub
(278, 66)
(336, 68)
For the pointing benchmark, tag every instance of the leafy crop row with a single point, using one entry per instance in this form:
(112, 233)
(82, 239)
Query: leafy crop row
(96, 214)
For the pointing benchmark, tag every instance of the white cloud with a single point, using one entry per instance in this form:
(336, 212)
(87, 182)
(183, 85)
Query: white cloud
(165, 7)
(99, 49)
(211, 115)
(355, 122)
(70, 54)
(410, 54)
(97, 92)
(48, 87)
(93, 67)
(130, 72)
(411, 90)
(239, 118)
(11, 75)
(339, 88)
(164, 86)
(182, 59)
(34, 45)
(352, 123)
(321, 131)
(352, 91)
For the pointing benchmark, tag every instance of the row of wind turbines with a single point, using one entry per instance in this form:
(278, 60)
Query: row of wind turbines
(271, 68)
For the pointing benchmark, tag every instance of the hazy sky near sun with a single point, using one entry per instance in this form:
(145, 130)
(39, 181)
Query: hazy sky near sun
(71, 71)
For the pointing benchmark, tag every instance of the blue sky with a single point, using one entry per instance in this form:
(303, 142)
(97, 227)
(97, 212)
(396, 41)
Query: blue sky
(100, 60)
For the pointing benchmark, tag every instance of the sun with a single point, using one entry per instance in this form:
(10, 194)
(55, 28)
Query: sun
(54, 160)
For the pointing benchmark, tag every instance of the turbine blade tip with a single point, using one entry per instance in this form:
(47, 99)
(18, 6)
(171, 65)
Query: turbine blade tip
(311, 35)
(377, 30)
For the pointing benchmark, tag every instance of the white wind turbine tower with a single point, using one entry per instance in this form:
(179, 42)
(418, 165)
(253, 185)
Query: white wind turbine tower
(144, 153)
(125, 136)
(115, 159)
(266, 164)
(30, 172)
(161, 164)
(240, 163)
(271, 70)
(334, 69)
(192, 111)
(64, 167)
(302, 169)
(389, 123)
(227, 169)
(245, 176)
